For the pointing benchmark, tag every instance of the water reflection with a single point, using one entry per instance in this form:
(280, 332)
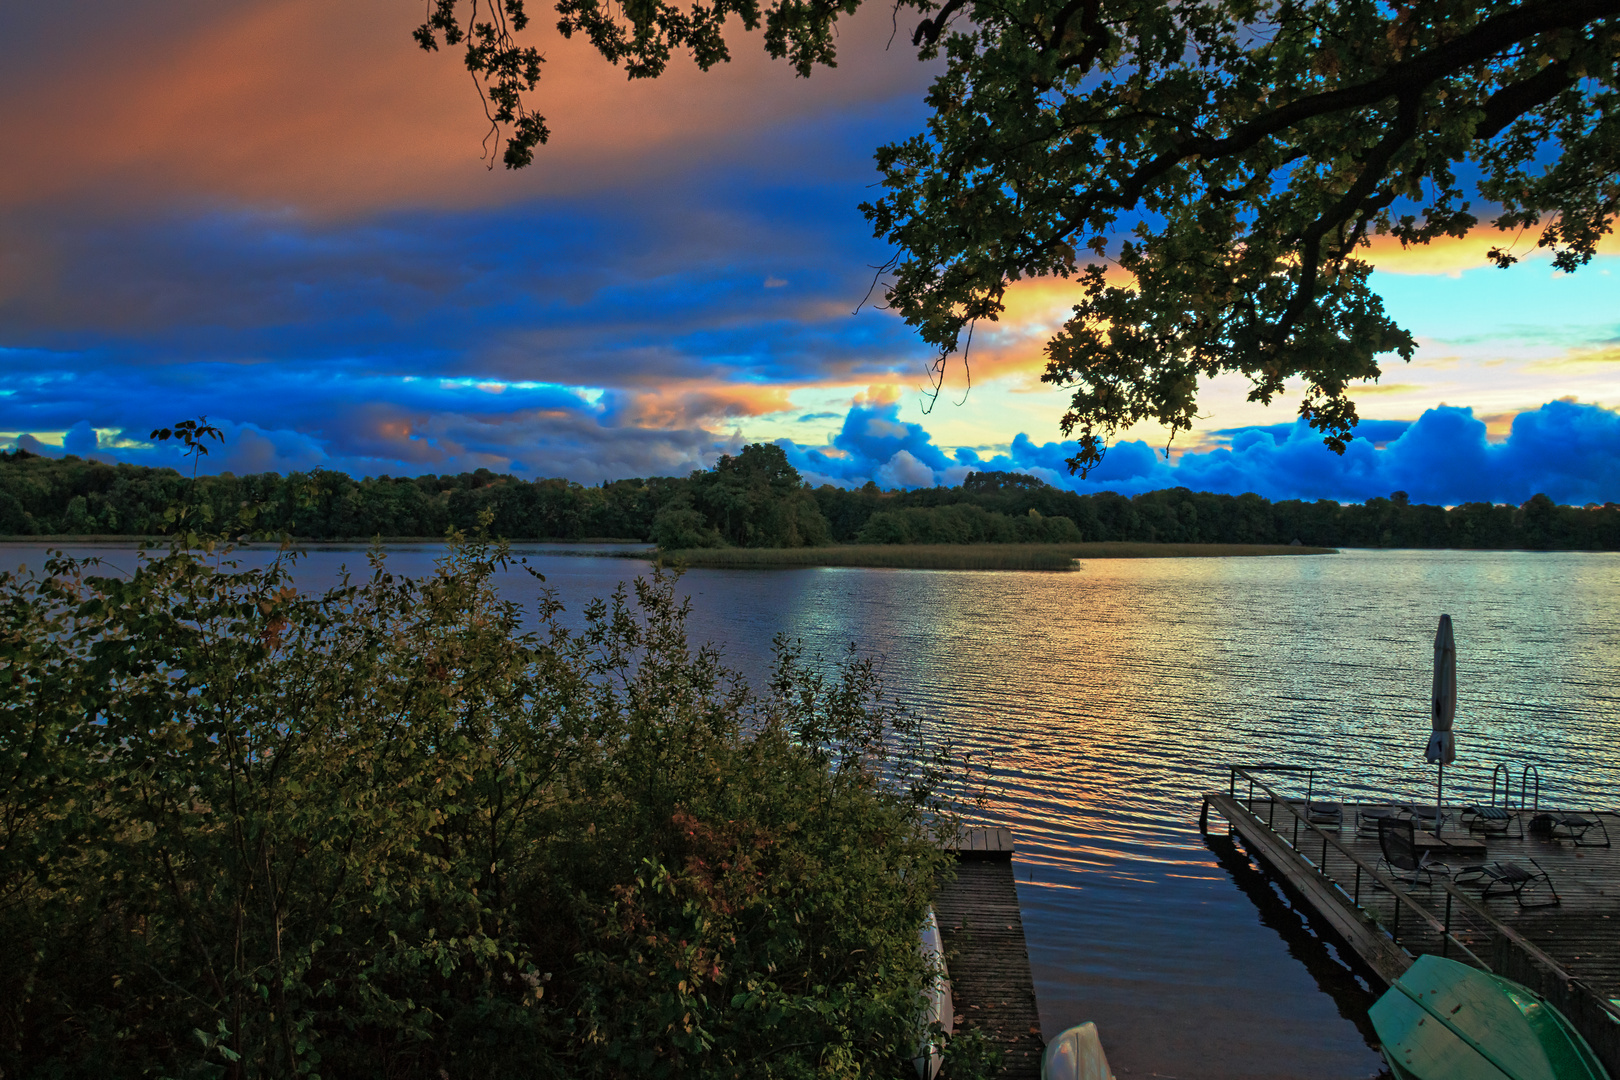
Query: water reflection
(1340, 973)
(1109, 699)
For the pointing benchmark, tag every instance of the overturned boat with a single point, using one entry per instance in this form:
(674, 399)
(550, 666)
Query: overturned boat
(1447, 1021)
(937, 1015)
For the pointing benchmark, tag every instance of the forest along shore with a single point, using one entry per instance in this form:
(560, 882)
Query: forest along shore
(753, 500)
(871, 556)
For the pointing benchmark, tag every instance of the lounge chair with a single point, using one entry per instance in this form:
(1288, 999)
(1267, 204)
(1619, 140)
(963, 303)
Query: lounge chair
(1326, 814)
(1368, 817)
(1478, 817)
(1571, 827)
(1397, 839)
(1426, 817)
(1501, 877)
(1321, 811)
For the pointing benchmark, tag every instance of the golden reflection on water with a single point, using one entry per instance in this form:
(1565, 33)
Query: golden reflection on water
(1107, 700)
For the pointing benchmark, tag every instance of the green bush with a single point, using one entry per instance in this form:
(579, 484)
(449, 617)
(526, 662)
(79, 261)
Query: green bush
(385, 831)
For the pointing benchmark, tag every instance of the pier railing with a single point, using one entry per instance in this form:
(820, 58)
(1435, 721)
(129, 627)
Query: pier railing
(1365, 873)
(1464, 925)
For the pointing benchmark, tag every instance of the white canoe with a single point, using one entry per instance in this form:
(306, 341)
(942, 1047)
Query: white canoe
(938, 1010)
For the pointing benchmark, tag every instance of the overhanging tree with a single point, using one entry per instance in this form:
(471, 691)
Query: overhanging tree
(1209, 172)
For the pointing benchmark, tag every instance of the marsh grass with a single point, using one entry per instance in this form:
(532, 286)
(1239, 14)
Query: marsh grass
(963, 556)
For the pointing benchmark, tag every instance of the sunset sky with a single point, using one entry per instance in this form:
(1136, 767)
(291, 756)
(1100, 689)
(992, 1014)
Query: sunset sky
(274, 213)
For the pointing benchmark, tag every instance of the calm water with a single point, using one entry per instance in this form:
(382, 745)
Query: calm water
(1108, 699)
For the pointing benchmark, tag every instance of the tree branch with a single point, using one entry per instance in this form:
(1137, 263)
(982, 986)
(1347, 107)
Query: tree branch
(1512, 102)
(1372, 172)
(1482, 42)
(932, 28)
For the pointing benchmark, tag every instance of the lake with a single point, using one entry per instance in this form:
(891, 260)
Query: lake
(1108, 699)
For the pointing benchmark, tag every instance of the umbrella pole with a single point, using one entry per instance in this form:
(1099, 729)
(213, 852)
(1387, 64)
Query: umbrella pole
(1439, 786)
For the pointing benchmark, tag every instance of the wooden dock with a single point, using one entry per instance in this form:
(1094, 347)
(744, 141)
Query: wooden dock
(985, 951)
(1570, 953)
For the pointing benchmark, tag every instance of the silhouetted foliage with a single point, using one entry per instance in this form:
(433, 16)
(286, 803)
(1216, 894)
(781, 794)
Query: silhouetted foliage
(1210, 174)
(754, 499)
(964, 523)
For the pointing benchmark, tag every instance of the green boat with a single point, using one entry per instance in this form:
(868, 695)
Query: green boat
(1446, 1021)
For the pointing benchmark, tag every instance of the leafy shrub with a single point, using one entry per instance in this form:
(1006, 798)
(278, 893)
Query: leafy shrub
(385, 831)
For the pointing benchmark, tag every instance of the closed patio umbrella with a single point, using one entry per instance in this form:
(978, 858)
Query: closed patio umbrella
(1442, 748)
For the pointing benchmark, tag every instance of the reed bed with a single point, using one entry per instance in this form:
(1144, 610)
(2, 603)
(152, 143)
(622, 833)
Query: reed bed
(962, 556)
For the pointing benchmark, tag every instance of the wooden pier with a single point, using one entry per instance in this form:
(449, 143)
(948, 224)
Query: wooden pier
(985, 951)
(1569, 953)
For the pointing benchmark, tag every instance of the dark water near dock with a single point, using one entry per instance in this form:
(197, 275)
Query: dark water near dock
(1110, 698)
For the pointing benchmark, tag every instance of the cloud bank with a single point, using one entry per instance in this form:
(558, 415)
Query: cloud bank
(410, 426)
(1568, 450)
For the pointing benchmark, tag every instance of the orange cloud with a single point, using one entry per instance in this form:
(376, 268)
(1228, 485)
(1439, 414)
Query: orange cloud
(1366, 389)
(878, 394)
(332, 108)
(1498, 426)
(695, 403)
(1014, 345)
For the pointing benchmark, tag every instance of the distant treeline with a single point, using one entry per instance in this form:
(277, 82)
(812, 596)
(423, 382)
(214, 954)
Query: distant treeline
(755, 499)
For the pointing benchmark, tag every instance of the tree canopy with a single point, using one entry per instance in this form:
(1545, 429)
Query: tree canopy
(1209, 172)
(42, 496)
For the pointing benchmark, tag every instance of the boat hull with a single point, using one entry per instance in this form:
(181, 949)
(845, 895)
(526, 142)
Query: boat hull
(938, 1010)
(1446, 1021)
(1076, 1054)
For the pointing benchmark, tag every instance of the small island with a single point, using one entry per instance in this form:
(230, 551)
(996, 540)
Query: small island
(964, 556)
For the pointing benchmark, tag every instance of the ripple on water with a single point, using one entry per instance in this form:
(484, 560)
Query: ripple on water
(1107, 700)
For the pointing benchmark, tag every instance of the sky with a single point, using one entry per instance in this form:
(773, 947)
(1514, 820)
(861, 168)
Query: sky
(276, 213)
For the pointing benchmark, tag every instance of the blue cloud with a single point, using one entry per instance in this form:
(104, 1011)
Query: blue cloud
(613, 324)
(1377, 432)
(875, 444)
(1568, 450)
(342, 417)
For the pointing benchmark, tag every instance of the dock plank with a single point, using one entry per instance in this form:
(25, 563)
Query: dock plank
(986, 953)
(980, 842)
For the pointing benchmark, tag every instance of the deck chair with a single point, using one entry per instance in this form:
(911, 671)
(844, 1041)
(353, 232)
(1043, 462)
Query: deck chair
(1368, 817)
(1425, 817)
(1326, 814)
(1500, 877)
(1481, 817)
(1322, 811)
(1397, 840)
(1571, 827)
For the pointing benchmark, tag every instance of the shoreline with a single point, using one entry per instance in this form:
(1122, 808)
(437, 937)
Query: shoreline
(875, 556)
(1052, 557)
(121, 540)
